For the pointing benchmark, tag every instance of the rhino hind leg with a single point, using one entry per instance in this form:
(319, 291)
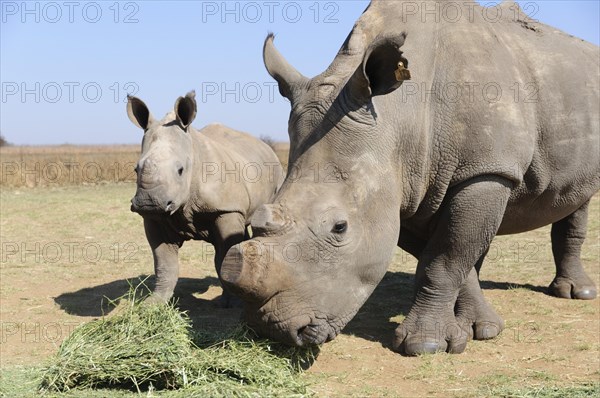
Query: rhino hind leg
(568, 236)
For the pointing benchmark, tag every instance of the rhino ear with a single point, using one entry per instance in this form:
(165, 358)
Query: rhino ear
(287, 77)
(138, 112)
(185, 109)
(382, 70)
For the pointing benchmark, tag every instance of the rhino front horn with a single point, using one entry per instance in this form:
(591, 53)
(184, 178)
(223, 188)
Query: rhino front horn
(231, 269)
(243, 270)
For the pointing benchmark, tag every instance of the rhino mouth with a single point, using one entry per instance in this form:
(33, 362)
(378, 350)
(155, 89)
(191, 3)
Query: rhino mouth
(152, 210)
(301, 331)
(314, 334)
(148, 202)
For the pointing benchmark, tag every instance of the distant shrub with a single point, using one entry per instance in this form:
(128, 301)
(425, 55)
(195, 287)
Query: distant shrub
(268, 140)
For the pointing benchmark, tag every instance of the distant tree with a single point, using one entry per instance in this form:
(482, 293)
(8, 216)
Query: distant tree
(3, 141)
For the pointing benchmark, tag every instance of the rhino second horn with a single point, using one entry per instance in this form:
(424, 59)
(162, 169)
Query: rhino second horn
(267, 220)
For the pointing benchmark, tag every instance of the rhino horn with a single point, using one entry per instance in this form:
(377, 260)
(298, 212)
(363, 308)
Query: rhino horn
(287, 77)
(244, 272)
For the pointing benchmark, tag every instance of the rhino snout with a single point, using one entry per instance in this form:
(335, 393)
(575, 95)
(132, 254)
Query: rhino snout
(146, 201)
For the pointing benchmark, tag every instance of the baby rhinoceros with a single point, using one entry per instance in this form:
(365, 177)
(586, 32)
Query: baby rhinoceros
(202, 185)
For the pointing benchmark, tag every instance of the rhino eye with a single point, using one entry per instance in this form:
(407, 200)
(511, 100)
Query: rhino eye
(136, 169)
(180, 171)
(340, 227)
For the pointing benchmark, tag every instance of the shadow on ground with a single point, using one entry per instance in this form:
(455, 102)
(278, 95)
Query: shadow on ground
(205, 312)
(493, 285)
(392, 297)
(96, 300)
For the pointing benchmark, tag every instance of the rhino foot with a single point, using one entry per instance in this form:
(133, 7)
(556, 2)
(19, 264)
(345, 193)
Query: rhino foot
(568, 236)
(474, 313)
(485, 330)
(423, 337)
(483, 322)
(581, 287)
(157, 298)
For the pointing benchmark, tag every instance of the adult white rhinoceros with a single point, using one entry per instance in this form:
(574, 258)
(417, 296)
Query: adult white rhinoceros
(197, 185)
(496, 133)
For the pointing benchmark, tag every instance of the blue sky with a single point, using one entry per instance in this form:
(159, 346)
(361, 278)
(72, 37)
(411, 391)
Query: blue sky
(66, 67)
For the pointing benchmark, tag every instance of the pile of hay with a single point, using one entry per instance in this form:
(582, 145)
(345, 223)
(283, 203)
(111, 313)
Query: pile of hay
(152, 346)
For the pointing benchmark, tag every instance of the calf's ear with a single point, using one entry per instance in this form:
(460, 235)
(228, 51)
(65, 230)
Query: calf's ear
(383, 69)
(138, 112)
(185, 109)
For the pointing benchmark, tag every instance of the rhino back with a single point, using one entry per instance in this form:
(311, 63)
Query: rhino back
(235, 171)
(527, 110)
(243, 146)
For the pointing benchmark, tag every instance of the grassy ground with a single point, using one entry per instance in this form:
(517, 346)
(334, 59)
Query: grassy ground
(65, 248)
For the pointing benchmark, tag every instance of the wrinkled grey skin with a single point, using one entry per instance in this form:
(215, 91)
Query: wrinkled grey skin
(202, 185)
(375, 167)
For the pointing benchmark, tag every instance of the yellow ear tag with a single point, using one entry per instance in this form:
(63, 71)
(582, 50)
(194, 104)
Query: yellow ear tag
(402, 73)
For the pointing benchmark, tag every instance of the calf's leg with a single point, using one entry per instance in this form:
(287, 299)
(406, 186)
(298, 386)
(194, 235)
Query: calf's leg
(165, 250)
(230, 229)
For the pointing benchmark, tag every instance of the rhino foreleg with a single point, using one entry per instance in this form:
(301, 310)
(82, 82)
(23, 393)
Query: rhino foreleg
(165, 250)
(568, 235)
(468, 221)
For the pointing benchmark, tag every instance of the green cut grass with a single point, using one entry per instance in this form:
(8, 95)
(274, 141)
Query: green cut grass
(149, 347)
(576, 391)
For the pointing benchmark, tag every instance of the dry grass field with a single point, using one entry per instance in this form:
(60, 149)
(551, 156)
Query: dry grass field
(67, 245)
(67, 165)
(54, 166)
